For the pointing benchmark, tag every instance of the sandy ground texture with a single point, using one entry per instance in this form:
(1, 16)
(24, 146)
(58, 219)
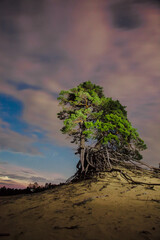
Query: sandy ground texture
(105, 209)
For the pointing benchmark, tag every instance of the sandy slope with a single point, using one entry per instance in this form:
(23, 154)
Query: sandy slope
(107, 209)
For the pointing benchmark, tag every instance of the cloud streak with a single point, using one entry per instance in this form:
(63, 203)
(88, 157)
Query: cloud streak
(114, 44)
(15, 176)
(11, 140)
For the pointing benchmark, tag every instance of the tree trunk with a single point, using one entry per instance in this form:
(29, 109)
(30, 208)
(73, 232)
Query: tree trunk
(98, 145)
(82, 148)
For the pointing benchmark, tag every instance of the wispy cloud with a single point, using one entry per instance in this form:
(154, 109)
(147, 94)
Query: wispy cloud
(11, 140)
(15, 176)
(112, 43)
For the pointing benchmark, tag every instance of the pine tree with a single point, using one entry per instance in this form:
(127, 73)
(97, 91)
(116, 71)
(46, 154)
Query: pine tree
(100, 127)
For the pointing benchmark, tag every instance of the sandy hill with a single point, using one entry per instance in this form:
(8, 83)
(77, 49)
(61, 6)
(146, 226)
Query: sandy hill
(105, 209)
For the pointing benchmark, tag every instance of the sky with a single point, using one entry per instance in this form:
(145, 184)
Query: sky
(51, 45)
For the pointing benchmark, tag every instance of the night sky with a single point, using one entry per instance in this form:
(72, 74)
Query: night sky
(50, 45)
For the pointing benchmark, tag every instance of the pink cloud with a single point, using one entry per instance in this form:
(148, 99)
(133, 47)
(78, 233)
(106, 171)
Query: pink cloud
(82, 43)
(20, 177)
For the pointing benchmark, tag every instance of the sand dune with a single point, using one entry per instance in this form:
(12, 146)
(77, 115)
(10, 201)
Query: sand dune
(105, 209)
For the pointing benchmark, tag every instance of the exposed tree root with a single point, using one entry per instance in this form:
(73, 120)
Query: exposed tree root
(106, 160)
(129, 179)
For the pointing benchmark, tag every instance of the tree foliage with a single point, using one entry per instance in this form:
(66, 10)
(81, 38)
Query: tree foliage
(100, 128)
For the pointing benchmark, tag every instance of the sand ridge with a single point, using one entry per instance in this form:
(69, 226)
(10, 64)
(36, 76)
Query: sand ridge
(108, 208)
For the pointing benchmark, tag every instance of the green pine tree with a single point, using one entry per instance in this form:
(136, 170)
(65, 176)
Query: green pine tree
(89, 116)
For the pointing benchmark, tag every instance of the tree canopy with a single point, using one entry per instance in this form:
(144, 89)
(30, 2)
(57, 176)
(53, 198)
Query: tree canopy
(100, 127)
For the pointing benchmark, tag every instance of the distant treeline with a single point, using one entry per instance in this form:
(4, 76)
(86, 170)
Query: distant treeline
(32, 188)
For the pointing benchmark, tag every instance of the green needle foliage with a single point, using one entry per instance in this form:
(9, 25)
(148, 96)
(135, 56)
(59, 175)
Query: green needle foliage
(90, 117)
(79, 106)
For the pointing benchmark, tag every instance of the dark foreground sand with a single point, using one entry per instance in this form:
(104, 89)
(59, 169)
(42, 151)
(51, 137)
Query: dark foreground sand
(107, 209)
